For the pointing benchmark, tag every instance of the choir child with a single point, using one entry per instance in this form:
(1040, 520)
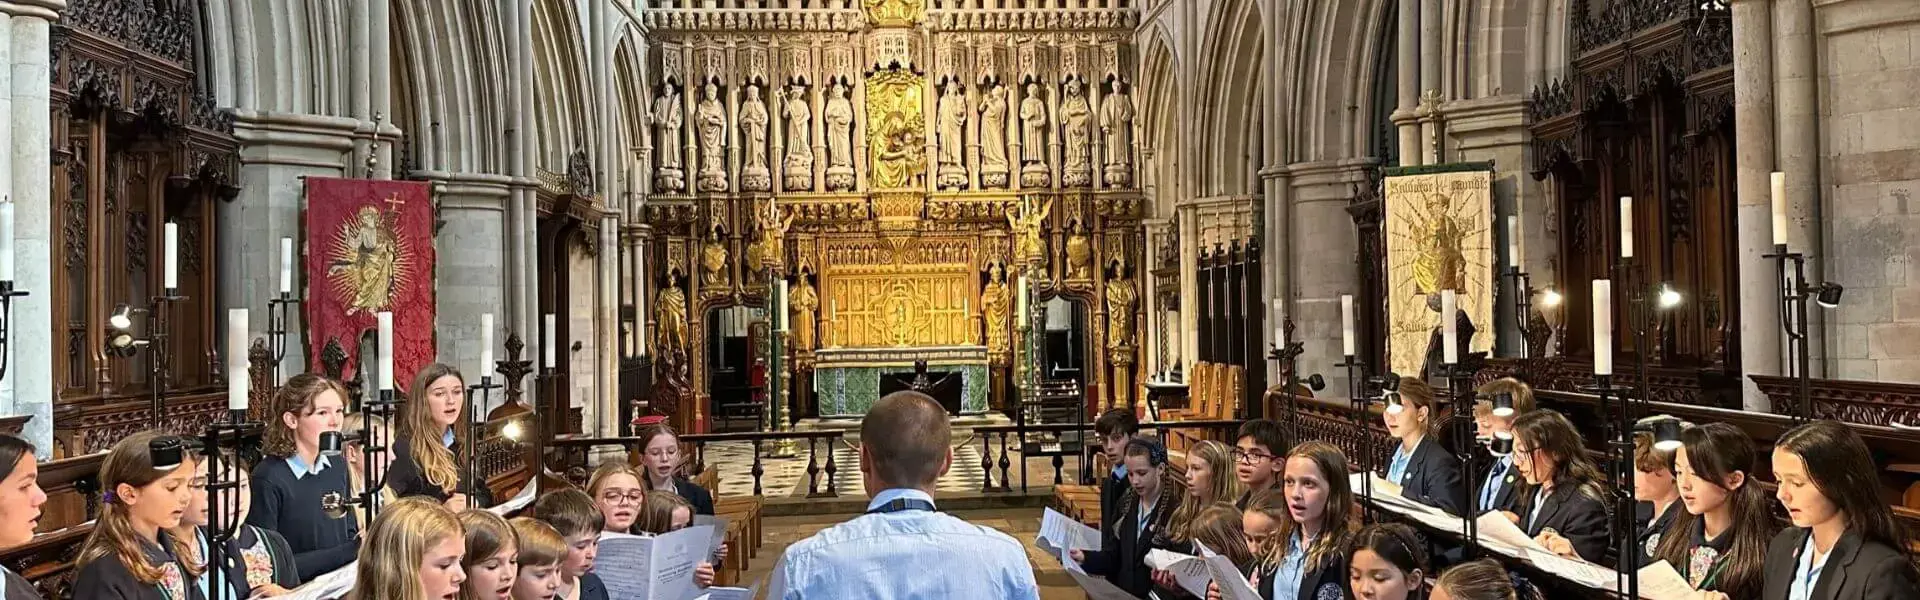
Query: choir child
(572, 513)
(1389, 562)
(542, 549)
(661, 466)
(666, 512)
(259, 561)
(1564, 504)
(1302, 529)
(1152, 496)
(617, 492)
(20, 500)
(1656, 494)
(412, 552)
(427, 448)
(1207, 483)
(1256, 456)
(289, 482)
(1482, 579)
(1844, 542)
(1718, 539)
(1115, 427)
(356, 458)
(1218, 527)
(1425, 472)
(1495, 483)
(130, 556)
(492, 557)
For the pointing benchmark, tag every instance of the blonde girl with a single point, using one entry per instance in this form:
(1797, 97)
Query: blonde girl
(412, 552)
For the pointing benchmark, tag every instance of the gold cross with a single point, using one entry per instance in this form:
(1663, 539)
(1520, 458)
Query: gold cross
(393, 202)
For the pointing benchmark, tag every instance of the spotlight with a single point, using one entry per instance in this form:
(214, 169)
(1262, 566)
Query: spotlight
(1394, 404)
(167, 452)
(332, 443)
(1388, 382)
(1503, 404)
(1550, 297)
(1669, 297)
(512, 430)
(1827, 295)
(1315, 382)
(122, 317)
(1665, 429)
(1501, 444)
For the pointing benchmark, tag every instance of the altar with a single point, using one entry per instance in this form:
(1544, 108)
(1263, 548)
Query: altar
(848, 381)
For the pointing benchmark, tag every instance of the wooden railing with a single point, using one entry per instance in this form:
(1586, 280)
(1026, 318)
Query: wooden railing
(1025, 447)
(576, 448)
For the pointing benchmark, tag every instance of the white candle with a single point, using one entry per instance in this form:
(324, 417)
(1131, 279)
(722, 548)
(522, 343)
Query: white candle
(1626, 227)
(1449, 328)
(286, 265)
(1020, 304)
(1602, 327)
(1779, 185)
(237, 367)
(486, 345)
(780, 315)
(1513, 243)
(6, 240)
(546, 346)
(1346, 325)
(385, 320)
(172, 247)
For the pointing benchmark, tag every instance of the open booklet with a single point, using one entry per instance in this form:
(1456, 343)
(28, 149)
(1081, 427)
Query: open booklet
(656, 567)
(719, 526)
(1060, 533)
(1190, 571)
(1097, 587)
(1386, 497)
(1226, 576)
(338, 582)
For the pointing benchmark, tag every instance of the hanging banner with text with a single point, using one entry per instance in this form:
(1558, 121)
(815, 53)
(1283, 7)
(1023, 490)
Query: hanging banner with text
(369, 248)
(1438, 237)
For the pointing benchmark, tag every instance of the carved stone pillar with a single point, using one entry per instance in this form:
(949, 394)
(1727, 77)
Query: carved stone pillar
(1753, 163)
(25, 98)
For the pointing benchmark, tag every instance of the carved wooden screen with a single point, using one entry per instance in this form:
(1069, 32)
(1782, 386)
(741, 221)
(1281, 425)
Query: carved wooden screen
(136, 143)
(1646, 112)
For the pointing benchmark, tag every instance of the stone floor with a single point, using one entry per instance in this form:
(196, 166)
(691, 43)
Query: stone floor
(1021, 523)
(787, 477)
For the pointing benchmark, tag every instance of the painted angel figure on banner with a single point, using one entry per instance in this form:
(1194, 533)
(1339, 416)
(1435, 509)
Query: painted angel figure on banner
(366, 261)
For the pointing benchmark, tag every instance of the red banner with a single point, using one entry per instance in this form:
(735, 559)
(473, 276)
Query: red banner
(369, 249)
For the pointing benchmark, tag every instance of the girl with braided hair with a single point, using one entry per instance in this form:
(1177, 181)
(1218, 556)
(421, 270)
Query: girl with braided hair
(1152, 497)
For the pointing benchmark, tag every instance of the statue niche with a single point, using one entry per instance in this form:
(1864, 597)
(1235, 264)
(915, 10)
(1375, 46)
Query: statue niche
(1116, 122)
(710, 117)
(994, 300)
(798, 162)
(839, 119)
(668, 176)
(993, 137)
(1076, 115)
(713, 262)
(897, 158)
(1033, 142)
(953, 123)
(1121, 296)
(803, 302)
(755, 176)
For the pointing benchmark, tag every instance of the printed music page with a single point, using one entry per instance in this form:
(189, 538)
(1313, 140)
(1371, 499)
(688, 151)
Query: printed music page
(1191, 571)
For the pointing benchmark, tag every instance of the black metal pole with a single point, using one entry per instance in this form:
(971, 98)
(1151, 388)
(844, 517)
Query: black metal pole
(1460, 393)
(157, 360)
(1358, 397)
(1522, 306)
(7, 294)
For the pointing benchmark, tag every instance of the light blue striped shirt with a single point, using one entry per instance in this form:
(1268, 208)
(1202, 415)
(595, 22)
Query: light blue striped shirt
(907, 555)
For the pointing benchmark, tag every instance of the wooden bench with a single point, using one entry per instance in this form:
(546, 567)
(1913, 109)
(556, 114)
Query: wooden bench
(744, 532)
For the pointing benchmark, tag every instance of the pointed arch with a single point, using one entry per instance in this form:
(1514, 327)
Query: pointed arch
(1157, 92)
(1232, 74)
(560, 77)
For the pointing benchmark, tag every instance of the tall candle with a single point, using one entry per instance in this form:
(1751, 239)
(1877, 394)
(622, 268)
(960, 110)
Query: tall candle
(6, 240)
(237, 367)
(1779, 186)
(1449, 328)
(486, 345)
(546, 346)
(1626, 227)
(286, 265)
(172, 248)
(1020, 304)
(1346, 325)
(1602, 327)
(780, 315)
(1513, 243)
(385, 320)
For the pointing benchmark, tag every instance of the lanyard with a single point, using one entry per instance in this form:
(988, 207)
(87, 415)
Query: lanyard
(902, 505)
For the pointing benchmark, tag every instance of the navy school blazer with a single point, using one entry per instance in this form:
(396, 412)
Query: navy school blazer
(1576, 514)
(1432, 477)
(1856, 569)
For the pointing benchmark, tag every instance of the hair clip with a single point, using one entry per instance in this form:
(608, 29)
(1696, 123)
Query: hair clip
(107, 497)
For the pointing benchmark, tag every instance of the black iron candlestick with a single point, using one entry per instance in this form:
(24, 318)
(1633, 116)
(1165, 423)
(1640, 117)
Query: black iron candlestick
(1795, 291)
(277, 309)
(1286, 353)
(7, 294)
(373, 447)
(1358, 398)
(1461, 395)
(159, 361)
(478, 395)
(235, 434)
(1614, 398)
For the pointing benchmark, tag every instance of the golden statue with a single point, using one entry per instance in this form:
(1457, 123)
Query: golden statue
(895, 124)
(713, 262)
(803, 302)
(896, 13)
(1079, 255)
(993, 305)
(1120, 299)
(1026, 224)
(770, 249)
(368, 261)
(1440, 264)
(670, 318)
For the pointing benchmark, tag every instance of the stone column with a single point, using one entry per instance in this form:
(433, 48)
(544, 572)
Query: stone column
(607, 327)
(1753, 162)
(1277, 246)
(1186, 218)
(469, 282)
(1797, 129)
(28, 388)
(1323, 232)
(380, 79)
(360, 94)
(1407, 69)
(1431, 19)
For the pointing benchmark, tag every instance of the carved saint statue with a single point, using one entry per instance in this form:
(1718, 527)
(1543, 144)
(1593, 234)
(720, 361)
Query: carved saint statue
(666, 122)
(713, 262)
(953, 121)
(1120, 299)
(711, 118)
(753, 127)
(1116, 121)
(839, 116)
(1079, 255)
(670, 316)
(803, 302)
(993, 306)
(1075, 115)
(1026, 226)
(799, 116)
(993, 130)
(1033, 122)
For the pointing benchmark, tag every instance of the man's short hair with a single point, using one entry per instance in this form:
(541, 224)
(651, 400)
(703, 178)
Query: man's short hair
(905, 436)
(571, 512)
(1115, 422)
(1266, 432)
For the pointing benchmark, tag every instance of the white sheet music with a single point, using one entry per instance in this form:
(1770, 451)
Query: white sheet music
(652, 567)
(1501, 535)
(327, 587)
(525, 497)
(1233, 585)
(1659, 581)
(719, 526)
(1191, 571)
(1060, 533)
(1097, 588)
(731, 593)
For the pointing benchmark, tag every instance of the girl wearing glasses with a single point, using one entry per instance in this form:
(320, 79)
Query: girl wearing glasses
(1564, 504)
(1425, 472)
(617, 493)
(1299, 533)
(1719, 538)
(660, 464)
(1844, 542)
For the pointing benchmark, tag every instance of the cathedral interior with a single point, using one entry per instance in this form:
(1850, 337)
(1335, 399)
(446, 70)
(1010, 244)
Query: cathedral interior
(754, 218)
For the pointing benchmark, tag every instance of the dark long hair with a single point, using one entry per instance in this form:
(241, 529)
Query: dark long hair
(1715, 452)
(11, 449)
(1172, 489)
(1842, 468)
(1397, 544)
(1551, 432)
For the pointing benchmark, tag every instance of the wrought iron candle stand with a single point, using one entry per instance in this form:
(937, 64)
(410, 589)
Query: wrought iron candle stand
(159, 361)
(1795, 291)
(238, 435)
(277, 309)
(1614, 398)
(7, 294)
(478, 395)
(1359, 397)
(1461, 395)
(1522, 306)
(1287, 353)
